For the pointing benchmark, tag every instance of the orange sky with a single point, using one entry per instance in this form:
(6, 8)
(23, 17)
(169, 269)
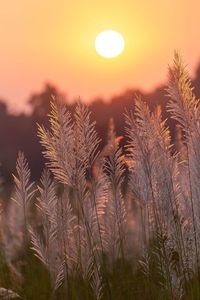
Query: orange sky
(53, 40)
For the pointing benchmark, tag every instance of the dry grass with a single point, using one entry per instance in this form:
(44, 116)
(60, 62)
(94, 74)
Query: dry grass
(91, 243)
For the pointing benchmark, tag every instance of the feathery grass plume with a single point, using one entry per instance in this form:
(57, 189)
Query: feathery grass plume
(71, 149)
(86, 144)
(110, 172)
(44, 245)
(68, 230)
(12, 246)
(115, 212)
(24, 190)
(16, 236)
(141, 142)
(86, 152)
(78, 240)
(84, 224)
(58, 143)
(184, 108)
(13, 232)
(99, 162)
(97, 284)
(56, 245)
(87, 139)
(96, 212)
(154, 183)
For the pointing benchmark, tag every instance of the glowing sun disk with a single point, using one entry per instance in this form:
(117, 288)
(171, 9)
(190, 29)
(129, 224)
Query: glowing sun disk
(109, 43)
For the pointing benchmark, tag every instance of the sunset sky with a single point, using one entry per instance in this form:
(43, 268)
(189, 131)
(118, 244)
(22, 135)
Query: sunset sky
(53, 41)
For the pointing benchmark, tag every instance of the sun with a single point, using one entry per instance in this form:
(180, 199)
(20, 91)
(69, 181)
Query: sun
(109, 43)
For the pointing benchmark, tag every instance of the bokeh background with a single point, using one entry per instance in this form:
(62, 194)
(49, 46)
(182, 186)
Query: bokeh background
(47, 48)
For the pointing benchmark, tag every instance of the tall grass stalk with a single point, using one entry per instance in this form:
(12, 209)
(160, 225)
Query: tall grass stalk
(89, 243)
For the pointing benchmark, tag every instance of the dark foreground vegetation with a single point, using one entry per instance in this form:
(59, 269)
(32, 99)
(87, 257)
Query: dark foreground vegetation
(122, 223)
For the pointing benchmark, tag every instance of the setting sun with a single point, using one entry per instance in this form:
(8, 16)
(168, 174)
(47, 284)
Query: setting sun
(109, 43)
(99, 150)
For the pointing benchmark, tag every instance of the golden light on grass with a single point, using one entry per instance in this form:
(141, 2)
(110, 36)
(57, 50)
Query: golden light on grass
(109, 43)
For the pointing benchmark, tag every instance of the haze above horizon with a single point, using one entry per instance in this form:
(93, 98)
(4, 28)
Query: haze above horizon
(53, 41)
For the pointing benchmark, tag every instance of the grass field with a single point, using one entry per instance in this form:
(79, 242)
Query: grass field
(122, 223)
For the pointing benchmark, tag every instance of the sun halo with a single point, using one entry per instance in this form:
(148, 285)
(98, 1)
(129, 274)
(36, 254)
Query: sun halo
(109, 44)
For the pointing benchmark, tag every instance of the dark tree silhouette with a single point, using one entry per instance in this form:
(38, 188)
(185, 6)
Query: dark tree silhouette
(20, 132)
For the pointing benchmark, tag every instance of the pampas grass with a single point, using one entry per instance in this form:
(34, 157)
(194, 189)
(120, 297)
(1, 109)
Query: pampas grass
(84, 232)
